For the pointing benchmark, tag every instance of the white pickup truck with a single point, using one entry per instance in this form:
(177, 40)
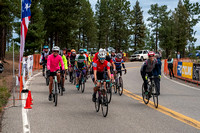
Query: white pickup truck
(139, 55)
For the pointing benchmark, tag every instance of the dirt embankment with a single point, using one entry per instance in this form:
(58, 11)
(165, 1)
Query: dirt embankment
(6, 80)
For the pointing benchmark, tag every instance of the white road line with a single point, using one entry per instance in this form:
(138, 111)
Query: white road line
(181, 83)
(26, 122)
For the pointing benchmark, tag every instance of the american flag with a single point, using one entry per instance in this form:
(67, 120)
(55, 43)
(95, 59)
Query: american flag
(25, 19)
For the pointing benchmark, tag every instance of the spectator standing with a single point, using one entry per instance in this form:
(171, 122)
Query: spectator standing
(170, 66)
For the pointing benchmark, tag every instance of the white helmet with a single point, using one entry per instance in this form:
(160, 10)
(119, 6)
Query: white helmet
(101, 50)
(113, 51)
(102, 55)
(119, 55)
(56, 48)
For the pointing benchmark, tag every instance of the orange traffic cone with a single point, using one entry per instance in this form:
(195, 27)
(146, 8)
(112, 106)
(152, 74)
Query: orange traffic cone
(28, 103)
(29, 95)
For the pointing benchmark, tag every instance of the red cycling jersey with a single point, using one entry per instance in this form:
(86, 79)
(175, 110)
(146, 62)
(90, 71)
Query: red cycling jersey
(97, 65)
(95, 57)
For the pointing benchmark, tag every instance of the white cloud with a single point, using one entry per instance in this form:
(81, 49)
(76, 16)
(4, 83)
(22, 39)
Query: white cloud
(146, 4)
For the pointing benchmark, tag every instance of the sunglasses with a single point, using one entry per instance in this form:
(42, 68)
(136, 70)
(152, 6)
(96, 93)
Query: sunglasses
(56, 51)
(151, 56)
(102, 59)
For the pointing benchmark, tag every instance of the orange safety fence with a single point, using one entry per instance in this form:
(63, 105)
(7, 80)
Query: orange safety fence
(175, 64)
(36, 62)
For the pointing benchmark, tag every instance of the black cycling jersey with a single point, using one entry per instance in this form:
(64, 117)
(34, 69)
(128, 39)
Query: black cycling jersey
(72, 59)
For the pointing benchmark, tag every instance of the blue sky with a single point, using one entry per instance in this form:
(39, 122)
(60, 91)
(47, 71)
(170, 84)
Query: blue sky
(145, 4)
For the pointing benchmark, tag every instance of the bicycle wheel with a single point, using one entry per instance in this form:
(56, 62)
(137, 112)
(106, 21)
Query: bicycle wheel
(97, 102)
(56, 94)
(61, 90)
(80, 85)
(120, 89)
(83, 85)
(145, 97)
(109, 92)
(114, 86)
(104, 106)
(155, 97)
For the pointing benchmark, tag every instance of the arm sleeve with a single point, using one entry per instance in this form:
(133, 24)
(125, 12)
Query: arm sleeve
(108, 66)
(123, 64)
(76, 59)
(95, 66)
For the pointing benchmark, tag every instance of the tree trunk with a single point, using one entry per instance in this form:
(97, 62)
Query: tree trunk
(51, 41)
(56, 39)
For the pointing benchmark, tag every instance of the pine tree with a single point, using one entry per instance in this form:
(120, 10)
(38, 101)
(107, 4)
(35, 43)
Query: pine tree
(181, 27)
(138, 27)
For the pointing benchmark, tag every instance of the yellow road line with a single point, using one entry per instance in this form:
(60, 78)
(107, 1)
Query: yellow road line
(164, 110)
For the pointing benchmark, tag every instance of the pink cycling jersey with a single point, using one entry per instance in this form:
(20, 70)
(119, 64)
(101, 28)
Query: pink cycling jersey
(53, 63)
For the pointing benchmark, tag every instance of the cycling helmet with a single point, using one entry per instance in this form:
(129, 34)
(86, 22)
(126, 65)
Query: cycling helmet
(81, 51)
(45, 47)
(101, 50)
(61, 53)
(102, 55)
(55, 48)
(108, 54)
(73, 50)
(151, 53)
(113, 50)
(119, 55)
(85, 50)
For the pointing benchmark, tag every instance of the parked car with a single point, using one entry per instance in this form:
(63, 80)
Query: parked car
(139, 55)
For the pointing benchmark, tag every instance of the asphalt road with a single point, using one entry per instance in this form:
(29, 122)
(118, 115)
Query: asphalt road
(178, 109)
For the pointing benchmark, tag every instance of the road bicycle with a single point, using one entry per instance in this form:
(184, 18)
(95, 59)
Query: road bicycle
(82, 80)
(55, 88)
(118, 84)
(151, 89)
(101, 92)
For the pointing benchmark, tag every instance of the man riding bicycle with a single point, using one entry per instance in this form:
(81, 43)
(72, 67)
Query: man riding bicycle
(147, 69)
(112, 67)
(53, 67)
(43, 58)
(119, 63)
(99, 67)
(113, 55)
(66, 68)
(80, 63)
(71, 63)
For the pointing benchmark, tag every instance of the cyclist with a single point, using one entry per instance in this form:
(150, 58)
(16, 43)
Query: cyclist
(96, 55)
(113, 55)
(147, 69)
(112, 67)
(119, 63)
(66, 55)
(72, 63)
(157, 73)
(53, 66)
(66, 68)
(99, 67)
(80, 64)
(88, 62)
(44, 56)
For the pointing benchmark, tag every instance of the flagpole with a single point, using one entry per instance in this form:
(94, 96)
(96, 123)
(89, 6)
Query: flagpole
(13, 73)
